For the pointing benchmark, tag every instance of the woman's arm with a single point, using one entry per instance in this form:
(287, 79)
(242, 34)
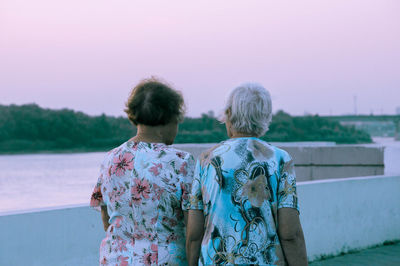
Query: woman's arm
(104, 217)
(291, 237)
(185, 217)
(194, 236)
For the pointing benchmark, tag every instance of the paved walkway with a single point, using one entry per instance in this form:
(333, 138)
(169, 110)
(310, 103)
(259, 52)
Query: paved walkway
(379, 256)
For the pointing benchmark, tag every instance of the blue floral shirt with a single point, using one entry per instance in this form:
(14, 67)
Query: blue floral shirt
(240, 184)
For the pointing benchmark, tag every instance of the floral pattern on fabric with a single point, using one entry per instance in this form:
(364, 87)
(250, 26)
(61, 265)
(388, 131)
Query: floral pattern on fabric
(145, 187)
(240, 184)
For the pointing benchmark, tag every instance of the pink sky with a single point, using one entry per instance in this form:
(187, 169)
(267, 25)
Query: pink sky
(313, 56)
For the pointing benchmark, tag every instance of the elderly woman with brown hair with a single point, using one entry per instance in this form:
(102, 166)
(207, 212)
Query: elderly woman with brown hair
(143, 186)
(243, 202)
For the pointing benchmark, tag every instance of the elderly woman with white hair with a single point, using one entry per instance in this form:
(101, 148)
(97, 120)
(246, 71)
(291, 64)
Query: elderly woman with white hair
(243, 203)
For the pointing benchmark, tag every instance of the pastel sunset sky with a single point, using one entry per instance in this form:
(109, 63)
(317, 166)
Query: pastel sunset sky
(313, 56)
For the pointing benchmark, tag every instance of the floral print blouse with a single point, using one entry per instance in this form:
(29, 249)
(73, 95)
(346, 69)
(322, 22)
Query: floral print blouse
(145, 187)
(240, 184)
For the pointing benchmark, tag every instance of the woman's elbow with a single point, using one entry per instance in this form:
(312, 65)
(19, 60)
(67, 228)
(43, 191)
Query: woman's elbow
(195, 234)
(289, 235)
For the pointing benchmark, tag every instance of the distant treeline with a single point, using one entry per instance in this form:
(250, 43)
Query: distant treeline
(30, 128)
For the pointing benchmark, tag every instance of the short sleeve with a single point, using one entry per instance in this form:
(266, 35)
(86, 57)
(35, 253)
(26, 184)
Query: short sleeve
(287, 195)
(187, 170)
(96, 199)
(196, 197)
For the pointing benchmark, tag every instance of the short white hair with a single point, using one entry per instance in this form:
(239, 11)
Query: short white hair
(250, 109)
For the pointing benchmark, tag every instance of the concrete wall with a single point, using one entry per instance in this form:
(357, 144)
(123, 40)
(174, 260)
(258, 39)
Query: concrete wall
(323, 162)
(68, 235)
(337, 216)
(346, 214)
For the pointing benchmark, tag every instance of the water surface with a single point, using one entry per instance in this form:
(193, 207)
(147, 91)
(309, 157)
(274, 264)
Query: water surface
(45, 180)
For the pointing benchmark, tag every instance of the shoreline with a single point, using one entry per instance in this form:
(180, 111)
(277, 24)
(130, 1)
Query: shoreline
(56, 151)
(377, 141)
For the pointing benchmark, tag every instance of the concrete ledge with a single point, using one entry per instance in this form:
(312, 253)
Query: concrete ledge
(337, 155)
(337, 215)
(318, 172)
(322, 162)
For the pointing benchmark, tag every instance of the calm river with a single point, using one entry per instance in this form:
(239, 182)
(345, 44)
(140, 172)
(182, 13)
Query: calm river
(46, 180)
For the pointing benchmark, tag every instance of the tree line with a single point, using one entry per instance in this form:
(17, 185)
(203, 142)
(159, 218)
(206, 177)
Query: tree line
(30, 128)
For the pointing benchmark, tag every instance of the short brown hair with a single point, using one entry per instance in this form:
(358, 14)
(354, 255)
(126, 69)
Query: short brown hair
(153, 102)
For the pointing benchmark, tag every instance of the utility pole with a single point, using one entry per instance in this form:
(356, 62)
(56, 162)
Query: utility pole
(355, 104)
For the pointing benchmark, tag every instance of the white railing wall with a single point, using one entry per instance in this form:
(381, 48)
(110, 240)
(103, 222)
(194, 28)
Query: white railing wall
(349, 214)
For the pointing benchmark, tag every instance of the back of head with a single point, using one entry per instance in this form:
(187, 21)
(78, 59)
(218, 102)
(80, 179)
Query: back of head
(153, 103)
(250, 109)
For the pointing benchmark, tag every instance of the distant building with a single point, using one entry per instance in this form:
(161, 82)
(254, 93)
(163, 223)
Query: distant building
(398, 110)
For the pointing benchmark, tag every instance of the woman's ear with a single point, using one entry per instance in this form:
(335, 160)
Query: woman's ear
(228, 124)
(228, 112)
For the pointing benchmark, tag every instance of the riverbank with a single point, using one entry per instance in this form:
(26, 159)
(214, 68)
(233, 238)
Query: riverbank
(102, 149)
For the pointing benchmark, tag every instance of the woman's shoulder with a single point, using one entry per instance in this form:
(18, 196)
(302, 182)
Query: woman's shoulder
(243, 145)
(262, 150)
(148, 150)
(216, 150)
(177, 153)
(119, 154)
(115, 152)
(280, 153)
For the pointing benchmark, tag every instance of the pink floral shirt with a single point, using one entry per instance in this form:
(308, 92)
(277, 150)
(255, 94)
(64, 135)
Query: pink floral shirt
(145, 187)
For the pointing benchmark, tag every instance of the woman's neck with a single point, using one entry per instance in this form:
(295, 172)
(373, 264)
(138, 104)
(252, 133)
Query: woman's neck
(150, 134)
(147, 138)
(156, 134)
(242, 135)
